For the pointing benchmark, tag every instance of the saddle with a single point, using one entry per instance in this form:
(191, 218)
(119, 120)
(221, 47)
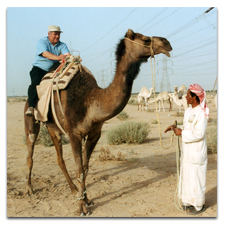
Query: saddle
(55, 81)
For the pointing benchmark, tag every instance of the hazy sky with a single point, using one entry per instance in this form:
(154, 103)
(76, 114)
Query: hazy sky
(95, 31)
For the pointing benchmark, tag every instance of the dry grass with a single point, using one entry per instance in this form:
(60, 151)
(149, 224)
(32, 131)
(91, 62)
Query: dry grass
(106, 155)
(122, 116)
(212, 136)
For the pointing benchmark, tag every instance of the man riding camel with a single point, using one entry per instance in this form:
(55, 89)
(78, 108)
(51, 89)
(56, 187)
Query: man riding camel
(49, 50)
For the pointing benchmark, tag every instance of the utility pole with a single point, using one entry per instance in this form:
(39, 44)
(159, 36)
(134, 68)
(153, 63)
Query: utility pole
(214, 86)
(165, 82)
(103, 78)
(73, 50)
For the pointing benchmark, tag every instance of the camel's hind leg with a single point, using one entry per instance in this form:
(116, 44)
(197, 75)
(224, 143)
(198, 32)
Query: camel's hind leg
(31, 132)
(93, 137)
(56, 139)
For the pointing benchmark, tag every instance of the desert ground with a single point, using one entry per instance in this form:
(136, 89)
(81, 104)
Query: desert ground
(137, 180)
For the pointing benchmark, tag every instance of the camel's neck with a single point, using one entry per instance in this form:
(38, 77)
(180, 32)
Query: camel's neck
(118, 93)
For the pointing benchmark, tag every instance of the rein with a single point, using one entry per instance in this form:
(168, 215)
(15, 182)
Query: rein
(151, 49)
(176, 195)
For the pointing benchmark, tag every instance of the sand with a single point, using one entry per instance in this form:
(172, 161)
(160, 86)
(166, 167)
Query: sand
(140, 183)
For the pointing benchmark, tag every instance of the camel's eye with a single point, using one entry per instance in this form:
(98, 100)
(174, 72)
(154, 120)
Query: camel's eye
(147, 40)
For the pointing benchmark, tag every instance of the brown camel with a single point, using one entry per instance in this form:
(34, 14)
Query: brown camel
(86, 107)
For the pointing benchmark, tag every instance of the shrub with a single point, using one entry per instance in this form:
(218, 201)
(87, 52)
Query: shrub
(179, 114)
(212, 139)
(154, 121)
(45, 137)
(129, 132)
(133, 101)
(122, 116)
(106, 155)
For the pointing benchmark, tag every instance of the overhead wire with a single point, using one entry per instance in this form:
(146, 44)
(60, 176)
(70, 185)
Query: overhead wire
(153, 18)
(162, 19)
(188, 24)
(110, 30)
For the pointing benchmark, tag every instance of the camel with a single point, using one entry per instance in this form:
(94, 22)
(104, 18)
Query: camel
(182, 90)
(163, 96)
(179, 102)
(86, 107)
(144, 94)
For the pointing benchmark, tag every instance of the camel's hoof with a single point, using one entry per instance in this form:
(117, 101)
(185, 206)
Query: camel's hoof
(83, 214)
(88, 204)
(29, 191)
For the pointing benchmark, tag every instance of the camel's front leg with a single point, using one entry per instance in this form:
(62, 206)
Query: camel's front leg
(76, 143)
(93, 137)
(56, 139)
(163, 106)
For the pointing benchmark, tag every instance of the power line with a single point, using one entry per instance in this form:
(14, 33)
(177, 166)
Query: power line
(188, 24)
(153, 18)
(110, 30)
(162, 19)
(191, 50)
(209, 10)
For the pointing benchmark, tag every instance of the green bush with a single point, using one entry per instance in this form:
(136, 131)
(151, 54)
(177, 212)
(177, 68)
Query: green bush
(129, 132)
(212, 139)
(45, 137)
(132, 101)
(122, 116)
(154, 121)
(179, 114)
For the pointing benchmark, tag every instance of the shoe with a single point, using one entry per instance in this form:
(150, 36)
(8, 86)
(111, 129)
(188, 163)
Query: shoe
(186, 207)
(193, 211)
(30, 111)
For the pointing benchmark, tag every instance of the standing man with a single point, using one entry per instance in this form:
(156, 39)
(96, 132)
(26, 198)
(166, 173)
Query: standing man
(194, 151)
(49, 50)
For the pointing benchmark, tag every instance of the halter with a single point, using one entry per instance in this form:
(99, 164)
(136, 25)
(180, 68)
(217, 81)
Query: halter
(151, 49)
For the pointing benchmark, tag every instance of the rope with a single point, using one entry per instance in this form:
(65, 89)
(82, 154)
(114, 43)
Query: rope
(151, 49)
(156, 108)
(176, 195)
(71, 60)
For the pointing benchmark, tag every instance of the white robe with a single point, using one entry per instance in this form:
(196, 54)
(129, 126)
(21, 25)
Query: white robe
(193, 157)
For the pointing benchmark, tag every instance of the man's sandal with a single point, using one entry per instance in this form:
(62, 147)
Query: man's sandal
(193, 211)
(186, 207)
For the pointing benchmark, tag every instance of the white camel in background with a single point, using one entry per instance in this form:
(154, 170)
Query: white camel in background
(182, 90)
(144, 94)
(163, 96)
(179, 102)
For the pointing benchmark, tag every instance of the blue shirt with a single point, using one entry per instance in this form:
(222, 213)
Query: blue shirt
(45, 45)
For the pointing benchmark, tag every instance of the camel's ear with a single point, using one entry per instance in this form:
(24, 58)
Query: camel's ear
(130, 34)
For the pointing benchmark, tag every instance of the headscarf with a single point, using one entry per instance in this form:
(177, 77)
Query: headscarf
(199, 91)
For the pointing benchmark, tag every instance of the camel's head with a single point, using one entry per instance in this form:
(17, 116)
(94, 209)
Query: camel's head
(146, 46)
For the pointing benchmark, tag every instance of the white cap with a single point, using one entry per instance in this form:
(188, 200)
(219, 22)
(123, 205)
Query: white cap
(54, 28)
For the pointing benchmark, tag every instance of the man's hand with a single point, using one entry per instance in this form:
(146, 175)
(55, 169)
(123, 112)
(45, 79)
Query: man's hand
(177, 131)
(170, 128)
(51, 56)
(61, 57)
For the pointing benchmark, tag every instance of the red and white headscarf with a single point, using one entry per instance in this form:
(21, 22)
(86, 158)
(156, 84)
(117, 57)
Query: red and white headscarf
(199, 91)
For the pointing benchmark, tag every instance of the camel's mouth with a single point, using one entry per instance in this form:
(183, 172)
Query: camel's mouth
(166, 52)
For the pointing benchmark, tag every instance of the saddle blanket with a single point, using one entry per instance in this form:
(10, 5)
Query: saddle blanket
(49, 83)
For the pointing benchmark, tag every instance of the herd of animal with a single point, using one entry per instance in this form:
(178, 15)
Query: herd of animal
(178, 97)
